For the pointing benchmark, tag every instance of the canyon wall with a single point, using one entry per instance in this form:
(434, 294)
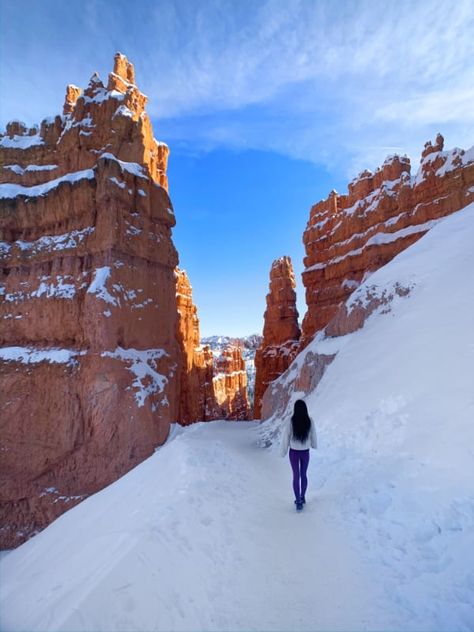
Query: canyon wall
(88, 349)
(281, 332)
(349, 236)
(213, 386)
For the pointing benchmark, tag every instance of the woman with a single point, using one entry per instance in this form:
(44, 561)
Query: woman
(299, 434)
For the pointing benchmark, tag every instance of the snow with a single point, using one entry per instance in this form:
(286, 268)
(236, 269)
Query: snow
(116, 295)
(21, 142)
(58, 290)
(102, 95)
(33, 355)
(370, 203)
(11, 191)
(60, 286)
(380, 237)
(350, 284)
(123, 110)
(132, 167)
(64, 241)
(203, 535)
(394, 413)
(21, 170)
(452, 159)
(133, 230)
(195, 538)
(142, 363)
(98, 288)
(121, 185)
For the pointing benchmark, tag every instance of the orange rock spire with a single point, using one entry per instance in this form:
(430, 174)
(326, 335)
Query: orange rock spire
(281, 331)
(211, 388)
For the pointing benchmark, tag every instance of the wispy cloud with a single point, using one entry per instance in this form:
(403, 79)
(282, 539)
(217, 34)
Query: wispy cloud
(331, 82)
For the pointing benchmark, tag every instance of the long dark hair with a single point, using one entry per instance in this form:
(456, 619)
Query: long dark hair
(300, 421)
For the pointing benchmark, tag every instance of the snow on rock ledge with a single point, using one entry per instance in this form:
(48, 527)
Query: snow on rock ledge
(350, 236)
(32, 355)
(86, 265)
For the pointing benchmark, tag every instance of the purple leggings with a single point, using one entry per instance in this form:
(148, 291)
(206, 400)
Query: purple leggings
(299, 460)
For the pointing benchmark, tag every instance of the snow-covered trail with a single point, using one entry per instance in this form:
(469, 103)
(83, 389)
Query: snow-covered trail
(201, 536)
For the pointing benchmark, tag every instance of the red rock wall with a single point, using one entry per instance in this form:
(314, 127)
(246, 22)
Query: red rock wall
(230, 386)
(349, 236)
(197, 362)
(211, 388)
(281, 331)
(88, 350)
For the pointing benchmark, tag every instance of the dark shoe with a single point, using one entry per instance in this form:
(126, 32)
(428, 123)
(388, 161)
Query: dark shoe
(299, 505)
(303, 500)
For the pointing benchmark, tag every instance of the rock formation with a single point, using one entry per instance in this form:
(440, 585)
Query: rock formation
(88, 349)
(248, 346)
(212, 386)
(197, 361)
(230, 386)
(349, 236)
(281, 332)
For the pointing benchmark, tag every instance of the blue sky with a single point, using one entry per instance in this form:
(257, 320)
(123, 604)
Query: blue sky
(266, 106)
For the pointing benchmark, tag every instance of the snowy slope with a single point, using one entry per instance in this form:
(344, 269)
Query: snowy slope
(204, 536)
(201, 536)
(395, 413)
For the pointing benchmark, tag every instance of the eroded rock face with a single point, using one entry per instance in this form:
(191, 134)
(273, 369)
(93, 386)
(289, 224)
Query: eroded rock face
(197, 361)
(88, 349)
(281, 332)
(230, 386)
(248, 346)
(212, 387)
(349, 236)
(304, 374)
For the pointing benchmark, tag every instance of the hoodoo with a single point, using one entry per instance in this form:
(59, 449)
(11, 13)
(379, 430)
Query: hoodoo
(88, 354)
(211, 387)
(350, 236)
(281, 332)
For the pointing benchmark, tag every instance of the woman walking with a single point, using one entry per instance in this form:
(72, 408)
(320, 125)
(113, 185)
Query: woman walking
(299, 434)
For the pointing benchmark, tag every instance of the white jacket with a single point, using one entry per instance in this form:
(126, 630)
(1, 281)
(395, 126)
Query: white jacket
(288, 441)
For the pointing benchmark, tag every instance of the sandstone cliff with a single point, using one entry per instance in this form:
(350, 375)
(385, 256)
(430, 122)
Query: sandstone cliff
(88, 355)
(212, 386)
(281, 331)
(350, 236)
(248, 345)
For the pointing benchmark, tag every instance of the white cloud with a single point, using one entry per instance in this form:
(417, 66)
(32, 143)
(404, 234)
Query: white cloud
(331, 82)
